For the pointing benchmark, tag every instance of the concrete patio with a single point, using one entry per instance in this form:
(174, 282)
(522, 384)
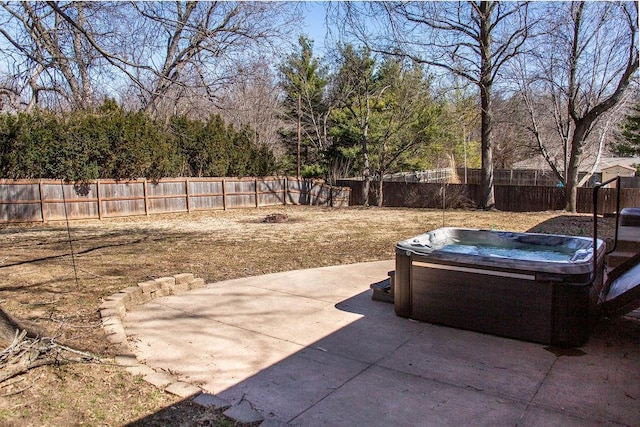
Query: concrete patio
(310, 347)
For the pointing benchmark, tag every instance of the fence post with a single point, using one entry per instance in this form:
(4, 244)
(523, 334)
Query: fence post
(145, 193)
(99, 197)
(255, 183)
(284, 197)
(41, 189)
(224, 195)
(186, 190)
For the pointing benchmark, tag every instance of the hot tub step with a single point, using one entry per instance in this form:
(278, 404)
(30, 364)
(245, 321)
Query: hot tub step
(628, 239)
(383, 291)
(617, 257)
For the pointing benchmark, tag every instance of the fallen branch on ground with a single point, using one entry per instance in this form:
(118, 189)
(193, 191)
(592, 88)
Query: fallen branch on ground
(26, 353)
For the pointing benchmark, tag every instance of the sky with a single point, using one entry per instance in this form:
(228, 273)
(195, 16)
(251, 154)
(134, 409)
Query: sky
(314, 23)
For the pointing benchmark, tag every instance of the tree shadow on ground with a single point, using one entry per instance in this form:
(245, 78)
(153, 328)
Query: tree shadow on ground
(576, 225)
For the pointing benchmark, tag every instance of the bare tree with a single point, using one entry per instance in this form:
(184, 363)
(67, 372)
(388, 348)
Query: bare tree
(168, 51)
(472, 40)
(512, 141)
(9, 94)
(254, 101)
(50, 56)
(576, 73)
(200, 45)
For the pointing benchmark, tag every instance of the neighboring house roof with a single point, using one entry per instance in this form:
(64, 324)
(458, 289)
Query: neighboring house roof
(540, 163)
(537, 162)
(627, 162)
(614, 166)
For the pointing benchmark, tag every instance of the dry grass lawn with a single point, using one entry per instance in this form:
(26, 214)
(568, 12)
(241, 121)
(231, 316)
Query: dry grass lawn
(41, 282)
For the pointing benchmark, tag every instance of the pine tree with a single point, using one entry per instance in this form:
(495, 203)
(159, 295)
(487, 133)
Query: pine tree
(628, 144)
(304, 81)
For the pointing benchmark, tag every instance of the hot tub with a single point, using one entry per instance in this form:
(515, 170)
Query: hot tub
(534, 287)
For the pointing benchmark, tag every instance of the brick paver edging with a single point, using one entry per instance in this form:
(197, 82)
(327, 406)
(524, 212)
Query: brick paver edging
(112, 312)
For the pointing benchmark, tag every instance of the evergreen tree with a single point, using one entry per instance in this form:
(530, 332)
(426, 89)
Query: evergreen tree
(358, 90)
(304, 82)
(387, 119)
(628, 144)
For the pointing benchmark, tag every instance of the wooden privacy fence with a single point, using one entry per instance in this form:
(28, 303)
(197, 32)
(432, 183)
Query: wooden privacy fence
(513, 198)
(49, 200)
(526, 177)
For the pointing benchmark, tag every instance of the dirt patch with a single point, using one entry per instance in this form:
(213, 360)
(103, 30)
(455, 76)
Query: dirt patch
(40, 281)
(276, 218)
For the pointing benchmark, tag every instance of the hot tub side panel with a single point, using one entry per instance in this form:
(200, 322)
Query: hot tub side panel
(402, 285)
(571, 315)
(495, 302)
(575, 308)
(549, 309)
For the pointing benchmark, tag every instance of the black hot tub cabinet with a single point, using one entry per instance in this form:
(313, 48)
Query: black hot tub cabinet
(534, 287)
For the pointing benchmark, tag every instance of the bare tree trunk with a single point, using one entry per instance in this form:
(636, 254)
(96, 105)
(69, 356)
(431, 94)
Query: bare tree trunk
(382, 169)
(80, 62)
(486, 82)
(299, 134)
(9, 327)
(380, 196)
(488, 199)
(366, 166)
(366, 170)
(577, 149)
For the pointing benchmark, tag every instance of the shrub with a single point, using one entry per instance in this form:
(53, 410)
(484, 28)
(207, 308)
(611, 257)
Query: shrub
(109, 142)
